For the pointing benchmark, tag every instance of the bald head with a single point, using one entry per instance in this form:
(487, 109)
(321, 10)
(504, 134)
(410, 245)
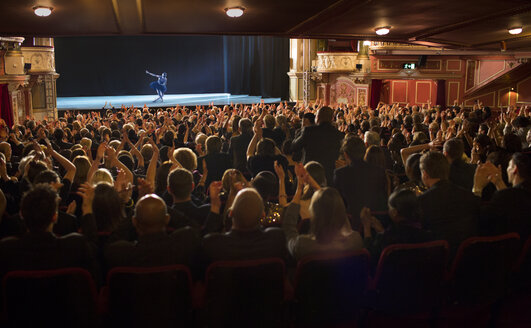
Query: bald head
(247, 210)
(150, 214)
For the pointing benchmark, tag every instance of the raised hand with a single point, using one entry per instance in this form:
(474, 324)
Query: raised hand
(86, 191)
(279, 170)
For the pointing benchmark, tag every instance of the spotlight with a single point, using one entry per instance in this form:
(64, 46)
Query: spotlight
(42, 11)
(234, 11)
(383, 30)
(515, 30)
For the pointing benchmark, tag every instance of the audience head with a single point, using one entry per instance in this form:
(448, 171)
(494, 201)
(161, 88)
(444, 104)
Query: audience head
(180, 184)
(266, 184)
(247, 210)
(519, 169)
(213, 145)
(39, 208)
(102, 175)
(413, 168)
(151, 215)
(33, 168)
(434, 167)
(5, 148)
(107, 207)
(246, 126)
(308, 119)
(404, 206)
(454, 149)
(49, 177)
(324, 115)
(329, 214)
(375, 156)
(353, 148)
(228, 178)
(318, 173)
(371, 138)
(266, 147)
(269, 121)
(186, 157)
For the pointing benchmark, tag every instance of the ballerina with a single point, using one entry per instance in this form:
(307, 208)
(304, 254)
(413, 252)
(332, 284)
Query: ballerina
(159, 85)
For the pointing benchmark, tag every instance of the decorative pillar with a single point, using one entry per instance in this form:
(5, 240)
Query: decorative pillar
(303, 53)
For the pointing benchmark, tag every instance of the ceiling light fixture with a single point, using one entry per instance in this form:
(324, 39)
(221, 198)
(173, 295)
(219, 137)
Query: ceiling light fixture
(383, 30)
(515, 30)
(366, 43)
(42, 11)
(234, 11)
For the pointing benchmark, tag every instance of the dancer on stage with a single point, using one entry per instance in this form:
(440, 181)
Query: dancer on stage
(159, 85)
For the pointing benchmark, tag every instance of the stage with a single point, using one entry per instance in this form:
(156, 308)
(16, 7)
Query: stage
(96, 103)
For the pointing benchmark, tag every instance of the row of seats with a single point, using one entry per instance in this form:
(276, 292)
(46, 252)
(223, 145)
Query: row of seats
(411, 286)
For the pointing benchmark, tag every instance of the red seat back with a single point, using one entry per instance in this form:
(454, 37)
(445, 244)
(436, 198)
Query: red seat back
(482, 267)
(50, 298)
(409, 277)
(329, 288)
(245, 293)
(150, 297)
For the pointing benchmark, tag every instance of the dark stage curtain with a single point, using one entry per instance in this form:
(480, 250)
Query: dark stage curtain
(107, 66)
(376, 89)
(441, 94)
(256, 66)
(6, 111)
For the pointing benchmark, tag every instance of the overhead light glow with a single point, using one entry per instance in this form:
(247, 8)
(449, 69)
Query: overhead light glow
(42, 11)
(383, 30)
(366, 43)
(234, 11)
(515, 30)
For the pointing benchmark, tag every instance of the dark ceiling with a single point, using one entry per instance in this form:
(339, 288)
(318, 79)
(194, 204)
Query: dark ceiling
(469, 24)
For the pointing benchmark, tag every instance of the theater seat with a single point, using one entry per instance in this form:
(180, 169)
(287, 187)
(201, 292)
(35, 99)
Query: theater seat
(479, 277)
(329, 288)
(245, 293)
(408, 284)
(148, 297)
(50, 298)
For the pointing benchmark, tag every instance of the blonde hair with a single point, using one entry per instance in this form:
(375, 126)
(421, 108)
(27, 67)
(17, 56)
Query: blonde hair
(86, 142)
(102, 175)
(82, 164)
(186, 157)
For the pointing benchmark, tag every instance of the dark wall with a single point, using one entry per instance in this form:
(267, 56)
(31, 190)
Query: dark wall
(105, 66)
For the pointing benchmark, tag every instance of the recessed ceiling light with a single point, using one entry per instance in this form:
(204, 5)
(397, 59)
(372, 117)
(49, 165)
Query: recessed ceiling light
(383, 30)
(234, 11)
(515, 30)
(42, 11)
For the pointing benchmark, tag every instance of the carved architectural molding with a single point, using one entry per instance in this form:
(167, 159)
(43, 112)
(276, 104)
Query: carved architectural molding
(336, 62)
(42, 59)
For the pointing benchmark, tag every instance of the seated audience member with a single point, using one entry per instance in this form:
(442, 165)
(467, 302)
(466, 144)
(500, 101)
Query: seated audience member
(267, 186)
(154, 246)
(461, 173)
(40, 249)
(330, 229)
(509, 210)
(238, 145)
(108, 207)
(261, 153)
(405, 228)
(184, 212)
(246, 240)
(414, 176)
(359, 183)
(320, 142)
(216, 161)
(449, 211)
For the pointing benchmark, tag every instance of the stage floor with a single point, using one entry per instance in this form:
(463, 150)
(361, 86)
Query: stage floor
(79, 103)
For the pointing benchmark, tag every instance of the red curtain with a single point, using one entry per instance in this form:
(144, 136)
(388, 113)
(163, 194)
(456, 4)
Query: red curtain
(6, 112)
(376, 89)
(441, 94)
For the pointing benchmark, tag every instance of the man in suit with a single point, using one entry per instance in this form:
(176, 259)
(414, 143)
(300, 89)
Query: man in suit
(449, 211)
(321, 142)
(40, 249)
(359, 183)
(461, 173)
(509, 210)
(238, 145)
(216, 161)
(154, 246)
(246, 240)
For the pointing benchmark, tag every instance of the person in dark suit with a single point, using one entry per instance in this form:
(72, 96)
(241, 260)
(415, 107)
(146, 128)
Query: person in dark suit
(216, 161)
(360, 183)
(509, 210)
(246, 240)
(461, 173)
(404, 211)
(449, 211)
(40, 249)
(184, 212)
(154, 247)
(320, 143)
(238, 145)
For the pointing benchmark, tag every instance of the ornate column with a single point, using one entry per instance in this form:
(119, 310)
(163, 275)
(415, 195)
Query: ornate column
(40, 59)
(303, 53)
